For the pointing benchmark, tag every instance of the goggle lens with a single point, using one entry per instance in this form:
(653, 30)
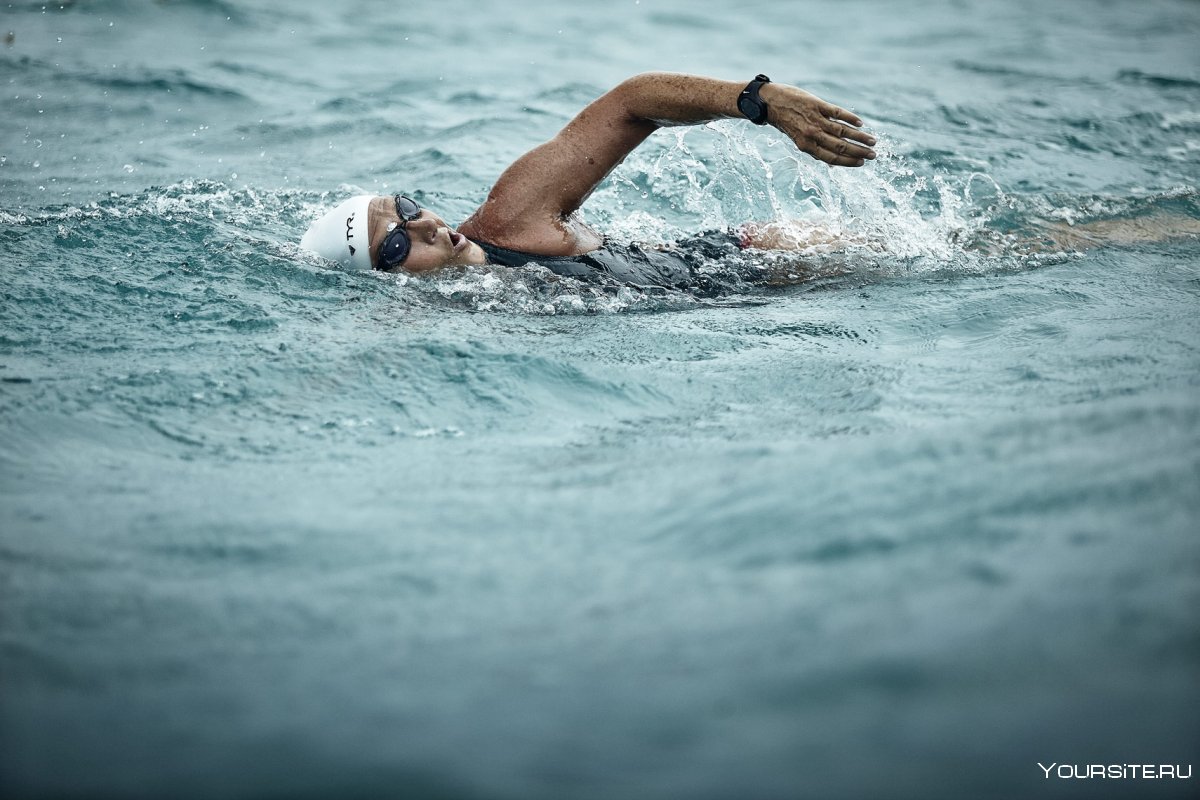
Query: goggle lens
(397, 245)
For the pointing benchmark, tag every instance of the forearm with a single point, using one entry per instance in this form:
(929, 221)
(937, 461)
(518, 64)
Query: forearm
(823, 130)
(797, 235)
(665, 98)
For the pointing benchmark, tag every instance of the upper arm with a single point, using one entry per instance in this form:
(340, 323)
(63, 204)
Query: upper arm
(591, 146)
(551, 181)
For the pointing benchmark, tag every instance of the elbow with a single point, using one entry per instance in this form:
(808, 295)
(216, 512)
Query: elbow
(642, 83)
(635, 95)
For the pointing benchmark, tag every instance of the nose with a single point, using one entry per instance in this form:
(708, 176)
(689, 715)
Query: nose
(424, 229)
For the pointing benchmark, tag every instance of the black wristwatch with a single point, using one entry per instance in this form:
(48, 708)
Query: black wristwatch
(750, 104)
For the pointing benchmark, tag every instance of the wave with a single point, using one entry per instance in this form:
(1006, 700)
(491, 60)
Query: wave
(134, 8)
(132, 80)
(1161, 81)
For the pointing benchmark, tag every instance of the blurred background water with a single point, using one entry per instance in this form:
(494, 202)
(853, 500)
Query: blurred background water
(904, 529)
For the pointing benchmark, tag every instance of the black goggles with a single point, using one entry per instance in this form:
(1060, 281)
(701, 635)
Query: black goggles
(396, 245)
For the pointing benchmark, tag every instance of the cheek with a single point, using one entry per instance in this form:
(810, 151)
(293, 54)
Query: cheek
(423, 259)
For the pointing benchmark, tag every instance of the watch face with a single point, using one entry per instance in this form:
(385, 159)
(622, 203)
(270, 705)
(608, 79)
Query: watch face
(750, 109)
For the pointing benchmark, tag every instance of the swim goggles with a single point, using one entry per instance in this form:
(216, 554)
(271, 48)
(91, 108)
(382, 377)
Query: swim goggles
(397, 244)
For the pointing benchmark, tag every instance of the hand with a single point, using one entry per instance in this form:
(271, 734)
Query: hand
(824, 131)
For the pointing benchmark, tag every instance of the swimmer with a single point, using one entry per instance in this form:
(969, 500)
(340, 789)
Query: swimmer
(530, 214)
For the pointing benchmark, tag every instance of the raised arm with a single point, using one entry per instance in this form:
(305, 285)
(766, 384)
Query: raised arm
(531, 203)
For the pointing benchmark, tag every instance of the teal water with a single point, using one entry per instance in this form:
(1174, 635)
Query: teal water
(904, 527)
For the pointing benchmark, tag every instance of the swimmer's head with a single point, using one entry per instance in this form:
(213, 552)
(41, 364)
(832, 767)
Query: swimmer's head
(343, 234)
(392, 234)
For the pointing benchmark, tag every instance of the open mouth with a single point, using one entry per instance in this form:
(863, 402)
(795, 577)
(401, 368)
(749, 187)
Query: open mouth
(457, 240)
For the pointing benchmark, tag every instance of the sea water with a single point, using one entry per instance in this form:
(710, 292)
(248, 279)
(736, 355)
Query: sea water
(907, 523)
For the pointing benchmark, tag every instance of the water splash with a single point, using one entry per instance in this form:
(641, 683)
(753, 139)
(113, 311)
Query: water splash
(533, 290)
(902, 214)
(723, 176)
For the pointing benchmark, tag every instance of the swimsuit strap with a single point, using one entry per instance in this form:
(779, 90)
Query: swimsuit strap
(572, 266)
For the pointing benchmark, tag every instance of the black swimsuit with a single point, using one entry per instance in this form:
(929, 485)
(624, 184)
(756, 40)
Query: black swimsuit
(633, 264)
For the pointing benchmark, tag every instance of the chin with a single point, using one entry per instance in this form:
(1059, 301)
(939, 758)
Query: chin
(474, 255)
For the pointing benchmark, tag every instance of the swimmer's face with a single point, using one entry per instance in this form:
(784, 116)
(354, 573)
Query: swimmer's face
(434, 243)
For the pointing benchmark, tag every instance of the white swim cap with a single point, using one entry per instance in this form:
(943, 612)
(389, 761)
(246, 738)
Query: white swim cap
(342, 235)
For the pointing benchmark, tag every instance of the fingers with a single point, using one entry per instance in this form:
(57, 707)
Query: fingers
(837, 152)
(834, 158)
(845, 148)
(834, 112)
(842, 147)
(846, 132)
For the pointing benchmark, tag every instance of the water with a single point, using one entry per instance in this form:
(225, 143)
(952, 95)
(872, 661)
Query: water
(905, 528)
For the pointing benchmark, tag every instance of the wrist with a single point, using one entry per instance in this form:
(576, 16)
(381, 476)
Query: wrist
(771, 94)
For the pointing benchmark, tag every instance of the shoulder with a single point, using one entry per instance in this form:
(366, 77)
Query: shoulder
(530, 230)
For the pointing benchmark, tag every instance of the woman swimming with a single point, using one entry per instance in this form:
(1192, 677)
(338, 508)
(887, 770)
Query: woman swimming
(529, 215)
